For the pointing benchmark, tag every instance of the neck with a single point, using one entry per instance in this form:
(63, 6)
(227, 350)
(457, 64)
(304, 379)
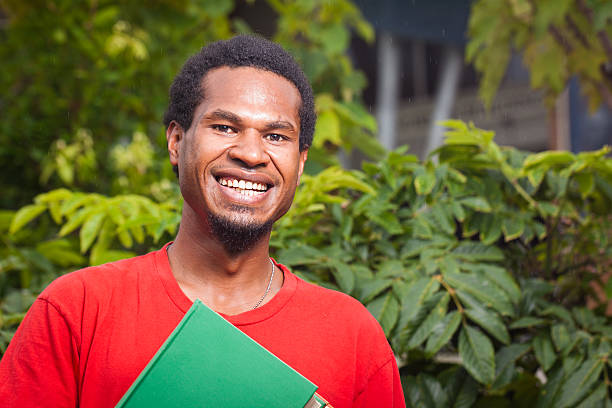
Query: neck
(228, 283)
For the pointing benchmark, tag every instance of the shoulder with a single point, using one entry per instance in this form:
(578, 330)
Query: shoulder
(332, 300)
(96, 282)
(347, 312)
(348, 325)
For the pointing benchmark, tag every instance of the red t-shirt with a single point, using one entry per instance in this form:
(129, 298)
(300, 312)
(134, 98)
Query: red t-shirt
(91, 332)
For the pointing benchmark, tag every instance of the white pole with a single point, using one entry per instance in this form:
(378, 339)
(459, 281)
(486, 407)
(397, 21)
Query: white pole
(388, 89)
(445, 97)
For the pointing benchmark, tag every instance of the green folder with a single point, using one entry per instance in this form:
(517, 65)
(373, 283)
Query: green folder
(207, 362)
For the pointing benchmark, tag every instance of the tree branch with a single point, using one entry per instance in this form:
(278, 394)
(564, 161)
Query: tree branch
(560, 39)
(577, 33)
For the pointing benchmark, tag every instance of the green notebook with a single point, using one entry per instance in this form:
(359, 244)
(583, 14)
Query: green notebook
(207, 362)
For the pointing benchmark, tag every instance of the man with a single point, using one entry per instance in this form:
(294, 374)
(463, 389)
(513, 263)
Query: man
(239, 124)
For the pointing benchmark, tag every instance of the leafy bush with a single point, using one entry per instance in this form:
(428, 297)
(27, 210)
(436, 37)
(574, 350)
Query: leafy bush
(477, 264)
(84, 78)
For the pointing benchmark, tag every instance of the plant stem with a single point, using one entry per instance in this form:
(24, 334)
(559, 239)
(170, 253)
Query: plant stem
(451, 292)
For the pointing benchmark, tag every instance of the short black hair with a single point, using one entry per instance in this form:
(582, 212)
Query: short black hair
(187, 92)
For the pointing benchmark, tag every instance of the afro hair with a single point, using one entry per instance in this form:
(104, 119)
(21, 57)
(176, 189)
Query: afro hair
(187, 92)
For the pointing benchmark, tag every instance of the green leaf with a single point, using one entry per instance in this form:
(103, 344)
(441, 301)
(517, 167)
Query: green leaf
(374, 287)
(443, 218)
(476, 251)
(490, 230)
(476, 203)
(586, 183)
(459, 386)
(327, 129)
(571, 362)
(386, 310)
(300, 255)
(388, 221)
(477, 354)
(110, 256)
(458, 211)
(90, 230)
(217, 8)
(432, 394)
(490, 322)
(424, 182)
(442, 332)
(544, 351)
(75, 220)
(512, 227)
(536, 176)
(25, 215)
(60, 252)
(527, 321)
(57, 195)
(579, 383)
(548, 158)
(416, 295)
(560, 312)
(502, 279)
(125, 238)
(505, 360)
(596, 399)
(560, 336)
(334, 38)
(549, 396)
(344, 276)
(481, 289)
(425, 328)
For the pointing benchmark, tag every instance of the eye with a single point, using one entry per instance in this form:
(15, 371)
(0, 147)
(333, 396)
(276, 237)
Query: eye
(224, 129)
(275, 137)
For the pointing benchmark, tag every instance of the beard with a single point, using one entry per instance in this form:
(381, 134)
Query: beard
(235, 234)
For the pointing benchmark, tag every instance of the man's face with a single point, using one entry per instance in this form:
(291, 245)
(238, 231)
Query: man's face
(240, 159)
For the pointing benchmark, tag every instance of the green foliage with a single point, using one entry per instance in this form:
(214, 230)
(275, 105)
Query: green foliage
(318, 34)
(483, 260)
(558, 39)
(83, 79)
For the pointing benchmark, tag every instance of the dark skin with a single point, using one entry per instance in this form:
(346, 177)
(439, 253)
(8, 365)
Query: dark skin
(246, 128)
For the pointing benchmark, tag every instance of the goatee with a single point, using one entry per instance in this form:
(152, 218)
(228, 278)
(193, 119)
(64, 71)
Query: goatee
(236, 236)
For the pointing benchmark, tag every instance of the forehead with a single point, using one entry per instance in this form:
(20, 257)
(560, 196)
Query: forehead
(248, 88)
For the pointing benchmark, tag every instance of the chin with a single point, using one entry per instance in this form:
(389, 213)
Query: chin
(240, 232)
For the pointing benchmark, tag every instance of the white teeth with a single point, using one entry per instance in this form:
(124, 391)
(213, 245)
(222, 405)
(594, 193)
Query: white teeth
(244, 185)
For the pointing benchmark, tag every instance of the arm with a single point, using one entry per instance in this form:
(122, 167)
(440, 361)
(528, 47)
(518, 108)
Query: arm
(41, 363)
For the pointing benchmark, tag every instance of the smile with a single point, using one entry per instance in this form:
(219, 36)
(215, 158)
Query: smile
(244, 187)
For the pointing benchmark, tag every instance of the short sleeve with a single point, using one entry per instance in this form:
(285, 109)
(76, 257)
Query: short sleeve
(383, 389)
(40, 365)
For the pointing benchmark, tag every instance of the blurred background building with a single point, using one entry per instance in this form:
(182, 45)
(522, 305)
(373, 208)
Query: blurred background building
(417, 77)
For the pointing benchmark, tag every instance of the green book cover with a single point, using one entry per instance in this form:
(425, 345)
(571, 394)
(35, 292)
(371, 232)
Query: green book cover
(207, 362)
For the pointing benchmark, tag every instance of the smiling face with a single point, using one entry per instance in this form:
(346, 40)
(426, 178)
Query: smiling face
(240, 159)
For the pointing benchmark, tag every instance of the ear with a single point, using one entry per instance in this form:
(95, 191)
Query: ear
(174, 136)
(302, 160)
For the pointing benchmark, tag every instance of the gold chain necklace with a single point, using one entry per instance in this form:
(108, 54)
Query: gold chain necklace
(267, 289)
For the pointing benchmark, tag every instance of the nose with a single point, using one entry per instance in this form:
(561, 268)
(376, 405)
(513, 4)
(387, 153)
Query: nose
(249, 150)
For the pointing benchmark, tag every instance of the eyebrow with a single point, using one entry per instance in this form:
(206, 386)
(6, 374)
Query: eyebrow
(279, 125)
(224, 115)
(220, 114)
